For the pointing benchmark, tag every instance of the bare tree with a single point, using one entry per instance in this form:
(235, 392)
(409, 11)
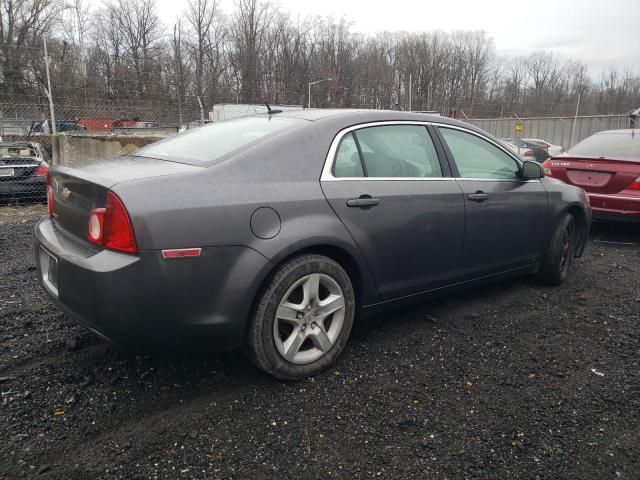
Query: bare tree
(23, 23)
(115, 60)
(248, 30)
(138, 23)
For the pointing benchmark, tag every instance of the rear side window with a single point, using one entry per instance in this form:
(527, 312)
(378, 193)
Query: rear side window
(477, 158)
(614, 145)
(347, 162)
(212, 143)
(397, 151)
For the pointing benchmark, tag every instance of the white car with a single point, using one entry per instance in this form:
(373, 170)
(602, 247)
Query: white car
(553, 149)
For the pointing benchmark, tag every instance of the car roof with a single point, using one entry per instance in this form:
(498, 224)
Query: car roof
(314, 114)
(631, 131)
(343, 117)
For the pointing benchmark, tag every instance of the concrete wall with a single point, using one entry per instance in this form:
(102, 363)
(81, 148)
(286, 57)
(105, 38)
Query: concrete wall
(80, 148)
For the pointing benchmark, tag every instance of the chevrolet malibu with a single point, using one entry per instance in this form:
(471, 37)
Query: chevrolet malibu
(273, 232)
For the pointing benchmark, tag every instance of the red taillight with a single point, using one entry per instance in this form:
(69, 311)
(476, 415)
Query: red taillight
(546, 166)
(49, 195)
(118, 234)
(635, 185)
(42, 170)
(111, 226)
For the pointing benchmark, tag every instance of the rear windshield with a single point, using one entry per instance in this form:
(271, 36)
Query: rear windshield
(17, 151)
(212, 143)
(614, 145)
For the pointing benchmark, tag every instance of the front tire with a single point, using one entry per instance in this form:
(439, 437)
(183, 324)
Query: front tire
(302, 318)
(557, 260)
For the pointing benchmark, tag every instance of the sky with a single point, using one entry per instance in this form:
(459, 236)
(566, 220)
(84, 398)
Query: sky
(600, 33)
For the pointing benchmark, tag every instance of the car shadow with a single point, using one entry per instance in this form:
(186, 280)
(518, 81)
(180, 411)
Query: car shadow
(615, 233)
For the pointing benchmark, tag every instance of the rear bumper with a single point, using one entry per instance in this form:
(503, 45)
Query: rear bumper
(145, 301)
(31, 186)
(615, 207)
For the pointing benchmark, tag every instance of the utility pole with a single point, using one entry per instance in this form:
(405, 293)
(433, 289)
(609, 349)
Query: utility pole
(48, 90)
(54, 137)
(201, 110)
(410, 88)
(575, 118)
(313, 83)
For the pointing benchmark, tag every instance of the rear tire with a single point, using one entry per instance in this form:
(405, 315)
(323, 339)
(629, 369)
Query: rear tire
(302, 318)
(557, 260)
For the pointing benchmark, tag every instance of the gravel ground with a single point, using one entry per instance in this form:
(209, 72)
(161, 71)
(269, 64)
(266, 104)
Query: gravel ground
(513, 380)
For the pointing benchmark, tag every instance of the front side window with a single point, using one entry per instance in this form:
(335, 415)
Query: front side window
(477, 158)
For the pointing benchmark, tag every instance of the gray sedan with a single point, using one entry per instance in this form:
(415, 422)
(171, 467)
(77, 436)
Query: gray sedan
(273, 232)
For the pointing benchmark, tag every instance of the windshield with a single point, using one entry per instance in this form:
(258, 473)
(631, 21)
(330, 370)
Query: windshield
(623, 145)
(214, 142)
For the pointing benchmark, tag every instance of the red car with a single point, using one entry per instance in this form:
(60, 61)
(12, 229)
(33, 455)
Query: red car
(607, 166)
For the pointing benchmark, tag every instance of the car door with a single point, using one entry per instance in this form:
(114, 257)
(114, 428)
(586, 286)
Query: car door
(505, 215)
(394, 193)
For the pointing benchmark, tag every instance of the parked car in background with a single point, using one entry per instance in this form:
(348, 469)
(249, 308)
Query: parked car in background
(607, 166)
(97, 124)
(525, 149)
(551, 148)
(41, 127)
(105, 124)
(270, 232)
(23, 171)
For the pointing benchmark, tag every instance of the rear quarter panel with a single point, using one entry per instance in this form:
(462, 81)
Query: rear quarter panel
(213, 207)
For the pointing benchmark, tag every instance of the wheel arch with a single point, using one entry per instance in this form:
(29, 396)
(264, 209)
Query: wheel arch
(582, 223)
(349, 260)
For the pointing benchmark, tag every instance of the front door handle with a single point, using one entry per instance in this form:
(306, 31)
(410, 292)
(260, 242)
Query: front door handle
(479, 196)
(363, 201)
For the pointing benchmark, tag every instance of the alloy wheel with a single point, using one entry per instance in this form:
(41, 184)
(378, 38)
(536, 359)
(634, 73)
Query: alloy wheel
(309, 318)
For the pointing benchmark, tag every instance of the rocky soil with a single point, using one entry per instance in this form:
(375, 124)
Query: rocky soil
(512, 380)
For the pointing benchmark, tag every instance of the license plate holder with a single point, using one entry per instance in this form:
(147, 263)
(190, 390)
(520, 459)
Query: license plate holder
(49, 271)
(7, 172)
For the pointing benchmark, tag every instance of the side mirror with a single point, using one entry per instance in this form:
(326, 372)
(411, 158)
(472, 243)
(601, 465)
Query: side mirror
(531, 170)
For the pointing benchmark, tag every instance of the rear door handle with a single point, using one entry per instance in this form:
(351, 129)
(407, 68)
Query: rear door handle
(363, 201)
(479, 196)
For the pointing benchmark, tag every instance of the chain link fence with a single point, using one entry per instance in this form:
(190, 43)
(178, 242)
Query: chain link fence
(26, 149)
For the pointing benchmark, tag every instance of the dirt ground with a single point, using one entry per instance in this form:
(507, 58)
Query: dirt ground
(512, 380)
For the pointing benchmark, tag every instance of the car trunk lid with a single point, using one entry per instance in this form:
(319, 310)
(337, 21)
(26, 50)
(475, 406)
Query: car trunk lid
(17, 168)
(596, 175)
(78, 190)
